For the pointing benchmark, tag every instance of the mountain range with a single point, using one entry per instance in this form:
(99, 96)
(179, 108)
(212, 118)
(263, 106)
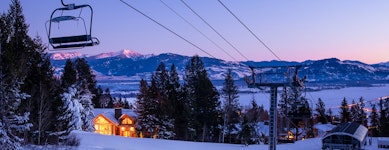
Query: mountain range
(133, 65)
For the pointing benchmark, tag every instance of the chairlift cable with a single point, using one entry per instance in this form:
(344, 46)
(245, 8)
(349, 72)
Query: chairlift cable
(166, 28)
(198, 30)
(229, 43)
(258, 39)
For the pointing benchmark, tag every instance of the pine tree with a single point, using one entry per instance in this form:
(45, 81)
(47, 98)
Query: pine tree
(330, 115)
(231, 105)
(140, 106)
(362, 116)
(69, 76)
(108, 100)
(146, 108)
(245, 133)
(203, 99)
(253, 116)
(180, 105)
(263, 114)
(15, 46)
(11, 123)
(40, 84)
(98, 97)
(344, 111)
(384, 117)
(374, 121)
(354, 111)
(165, 104)
(86, 86)
(62, 104)
(321, 111)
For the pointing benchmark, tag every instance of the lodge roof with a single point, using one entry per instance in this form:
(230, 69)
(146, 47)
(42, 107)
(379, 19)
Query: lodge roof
(352, 129)
(110, 113)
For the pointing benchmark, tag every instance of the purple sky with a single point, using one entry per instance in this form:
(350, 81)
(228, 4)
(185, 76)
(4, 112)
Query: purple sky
(295, 30)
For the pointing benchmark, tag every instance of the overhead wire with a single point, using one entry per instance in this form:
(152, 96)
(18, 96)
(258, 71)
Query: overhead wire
(218, 33)
(166, 28)
(198, 30)
(256, 37)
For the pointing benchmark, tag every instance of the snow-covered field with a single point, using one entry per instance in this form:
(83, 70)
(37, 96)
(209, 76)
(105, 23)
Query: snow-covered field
(92, 141)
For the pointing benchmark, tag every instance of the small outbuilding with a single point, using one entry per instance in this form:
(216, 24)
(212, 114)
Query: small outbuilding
(346, 136)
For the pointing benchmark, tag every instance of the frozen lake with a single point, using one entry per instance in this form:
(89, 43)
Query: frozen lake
(332, 98)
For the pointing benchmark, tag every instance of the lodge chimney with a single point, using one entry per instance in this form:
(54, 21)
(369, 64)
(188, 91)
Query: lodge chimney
(118, 112)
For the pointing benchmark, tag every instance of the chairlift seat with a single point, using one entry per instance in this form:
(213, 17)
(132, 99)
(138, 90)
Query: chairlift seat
(74, 45)
(70, 39)
(63, 18)
(73, 41)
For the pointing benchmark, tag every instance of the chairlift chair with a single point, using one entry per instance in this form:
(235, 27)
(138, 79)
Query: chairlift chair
(73, 41)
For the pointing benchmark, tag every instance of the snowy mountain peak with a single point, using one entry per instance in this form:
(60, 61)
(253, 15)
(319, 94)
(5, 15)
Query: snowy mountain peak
(66, 55)
(123, 53)
(129, 53)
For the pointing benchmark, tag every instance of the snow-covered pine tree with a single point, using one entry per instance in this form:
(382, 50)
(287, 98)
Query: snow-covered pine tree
(231, 108)
(85, 99)
(12, 124)
(73, 109)
(146, 108)
(62, 105)
(76, 111)
(14, 48)
(86, 87)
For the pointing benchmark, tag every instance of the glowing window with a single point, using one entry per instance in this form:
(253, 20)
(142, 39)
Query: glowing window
(127, 121)
(102, 126)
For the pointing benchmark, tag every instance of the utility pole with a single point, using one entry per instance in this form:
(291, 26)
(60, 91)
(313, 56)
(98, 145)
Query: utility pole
(286, 80)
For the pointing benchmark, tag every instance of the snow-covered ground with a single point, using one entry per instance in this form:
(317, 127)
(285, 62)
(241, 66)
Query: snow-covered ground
(93, 141)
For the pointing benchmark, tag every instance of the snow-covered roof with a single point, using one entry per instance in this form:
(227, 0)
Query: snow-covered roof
(383, 141)
(324, 127)
(352, 129)
(110, 113)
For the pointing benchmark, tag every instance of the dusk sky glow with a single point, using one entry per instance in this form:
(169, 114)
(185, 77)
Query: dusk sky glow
(295, 30)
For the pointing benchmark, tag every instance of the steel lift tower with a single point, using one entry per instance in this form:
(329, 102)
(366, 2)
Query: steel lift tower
(273, 77)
